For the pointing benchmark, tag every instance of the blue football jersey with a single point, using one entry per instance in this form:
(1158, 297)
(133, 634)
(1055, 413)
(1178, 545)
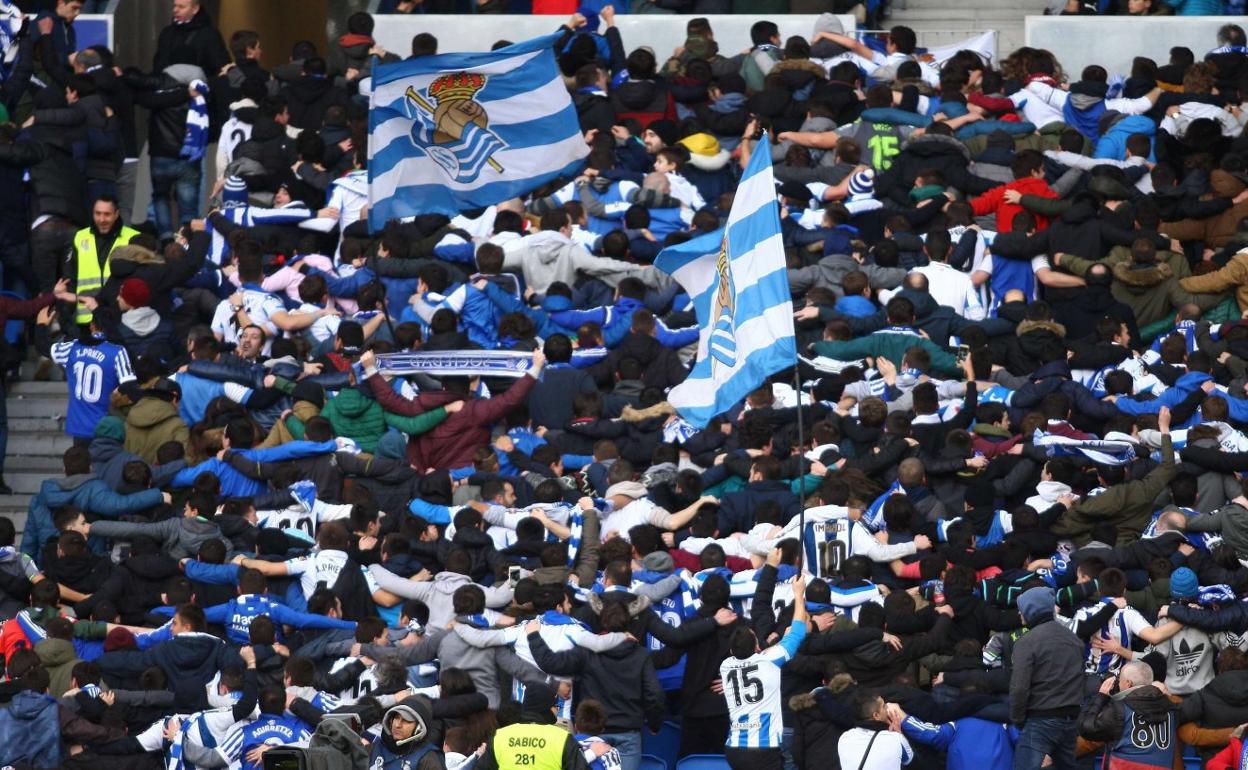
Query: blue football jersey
(92, 373)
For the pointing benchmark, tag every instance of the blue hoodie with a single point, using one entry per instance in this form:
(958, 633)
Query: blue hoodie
(85, 492)
(235, 484)
(617, 320)
(1187, 384)
(541, 318)
(969, 743)
(1113, 143)
(30, 731)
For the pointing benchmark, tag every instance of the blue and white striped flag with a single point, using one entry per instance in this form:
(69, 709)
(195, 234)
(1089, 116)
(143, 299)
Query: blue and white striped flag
(466, 130)
(736, 277)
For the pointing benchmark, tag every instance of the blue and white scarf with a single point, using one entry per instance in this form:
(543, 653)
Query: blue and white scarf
(457, 363)
(576, 526)
(1098, 451)
(873, 517)
(10, 28)
(1216, 594)
(195, 140)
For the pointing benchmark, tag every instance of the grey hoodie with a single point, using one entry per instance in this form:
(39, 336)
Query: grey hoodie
(437, 593)
(180, 537)
(549, 256)
(832, 269)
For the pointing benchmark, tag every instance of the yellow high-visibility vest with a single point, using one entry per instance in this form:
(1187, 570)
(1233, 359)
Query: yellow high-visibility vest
(530, 747)
(91, 277)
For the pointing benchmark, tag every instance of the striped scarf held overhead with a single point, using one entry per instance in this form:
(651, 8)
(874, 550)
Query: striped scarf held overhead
(195, 140)
(576, 525)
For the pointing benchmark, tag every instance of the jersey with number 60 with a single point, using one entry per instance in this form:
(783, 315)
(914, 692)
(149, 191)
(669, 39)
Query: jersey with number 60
(752, 687)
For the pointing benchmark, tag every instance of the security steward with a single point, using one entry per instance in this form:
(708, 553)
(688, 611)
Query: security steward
(535, 742)
(93, 246)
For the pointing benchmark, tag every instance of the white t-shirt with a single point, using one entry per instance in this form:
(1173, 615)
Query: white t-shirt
(953, 288)
(1123, 628)
(323, 566)
(297, 517)
(890, 751)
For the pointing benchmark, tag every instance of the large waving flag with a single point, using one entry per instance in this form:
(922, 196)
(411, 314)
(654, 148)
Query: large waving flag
(460, 131)
(740, 292)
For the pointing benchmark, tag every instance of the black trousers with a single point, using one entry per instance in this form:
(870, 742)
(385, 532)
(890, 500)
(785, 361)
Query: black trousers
(703, 735)
(49, 250)
(755, 759)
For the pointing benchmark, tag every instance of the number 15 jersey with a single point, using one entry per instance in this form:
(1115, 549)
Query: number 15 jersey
(752, 687)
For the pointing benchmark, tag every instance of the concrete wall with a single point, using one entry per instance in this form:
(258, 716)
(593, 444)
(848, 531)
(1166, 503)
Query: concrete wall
(1113, 42)
(661, 32)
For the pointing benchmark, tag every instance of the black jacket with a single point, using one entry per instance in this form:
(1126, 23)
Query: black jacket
(819, 719)
(1221, 703)
(15, 158)
(593, 111)
(945, 154)
(662, 366)
(643, 620)
(622, 679)
(116, 93)
(1103, 717)
(55, 179)
(1083, 230)
(310, 97)
(168, 101)
(196, 42)
(550, 400)
(190, 660)
(1046, 677)
(737, 509)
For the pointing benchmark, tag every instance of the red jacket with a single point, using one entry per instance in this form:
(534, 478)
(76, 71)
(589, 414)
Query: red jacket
(994, 201)
(1227, 758)
(450, 444)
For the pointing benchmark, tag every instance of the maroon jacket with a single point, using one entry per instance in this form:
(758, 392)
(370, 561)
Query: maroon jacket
(450, 444)
(23, 308)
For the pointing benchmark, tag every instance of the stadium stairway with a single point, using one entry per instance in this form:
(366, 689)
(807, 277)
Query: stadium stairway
(940, 22)
(36, 442)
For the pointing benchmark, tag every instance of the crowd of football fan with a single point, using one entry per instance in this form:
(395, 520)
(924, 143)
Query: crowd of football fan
(1013, 526)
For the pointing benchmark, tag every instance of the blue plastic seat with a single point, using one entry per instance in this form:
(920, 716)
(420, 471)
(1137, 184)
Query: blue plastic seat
(665, 745)
(651, 762)
(703, 762)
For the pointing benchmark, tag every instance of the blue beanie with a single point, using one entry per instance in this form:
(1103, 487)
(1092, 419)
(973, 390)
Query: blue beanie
(1035, 603)
(234, 192)
(591, 18)
(1183, 584)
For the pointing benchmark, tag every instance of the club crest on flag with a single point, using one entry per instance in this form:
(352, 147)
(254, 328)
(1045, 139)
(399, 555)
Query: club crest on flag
(459, 131)
(452, 127)
(723, 342)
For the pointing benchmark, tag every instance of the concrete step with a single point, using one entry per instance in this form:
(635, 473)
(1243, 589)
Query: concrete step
(43, 443)
(29, 368)
(50, 465)
(32, 388)
(48, 425)
(26, 482)
(37, 406)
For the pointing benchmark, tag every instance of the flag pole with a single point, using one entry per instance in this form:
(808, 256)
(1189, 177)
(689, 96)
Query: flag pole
(801, 470)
